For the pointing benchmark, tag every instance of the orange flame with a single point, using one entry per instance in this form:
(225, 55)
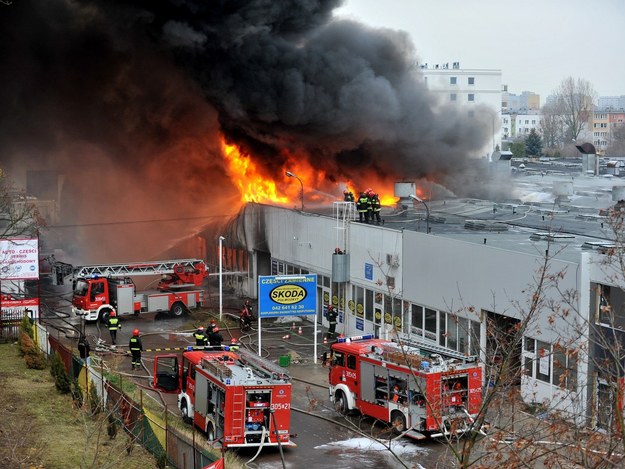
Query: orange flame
(252, 185)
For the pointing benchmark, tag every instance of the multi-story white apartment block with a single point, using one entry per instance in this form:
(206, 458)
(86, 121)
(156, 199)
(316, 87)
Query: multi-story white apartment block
(611, 103)
(526, 101)
(468, 88)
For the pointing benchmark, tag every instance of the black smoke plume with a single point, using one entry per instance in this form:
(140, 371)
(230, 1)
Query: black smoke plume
(127, 99)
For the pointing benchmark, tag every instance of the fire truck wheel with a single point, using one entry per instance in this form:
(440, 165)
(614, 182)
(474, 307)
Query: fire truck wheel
(104, 315)
(398, 421)
(210, 432)
(177, 309)
(184, 410)
(340, 403)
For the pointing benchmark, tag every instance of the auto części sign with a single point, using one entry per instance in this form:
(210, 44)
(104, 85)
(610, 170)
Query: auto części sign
(285, 295)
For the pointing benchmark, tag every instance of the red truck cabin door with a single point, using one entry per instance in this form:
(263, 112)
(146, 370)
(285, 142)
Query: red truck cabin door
(167, 373)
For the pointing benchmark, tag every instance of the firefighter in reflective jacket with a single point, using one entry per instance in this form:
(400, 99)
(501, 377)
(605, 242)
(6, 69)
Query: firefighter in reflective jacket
(135, 347)
(332, 315)
(363, 205)
(113, 325)
(200, 337)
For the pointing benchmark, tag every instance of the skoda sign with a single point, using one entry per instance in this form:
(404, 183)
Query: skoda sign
(287, 295)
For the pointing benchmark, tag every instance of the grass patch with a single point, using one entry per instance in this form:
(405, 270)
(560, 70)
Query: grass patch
(42, 427)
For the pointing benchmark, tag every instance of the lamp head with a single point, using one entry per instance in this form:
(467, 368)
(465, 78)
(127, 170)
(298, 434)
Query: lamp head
(289, 174)
(414, 197)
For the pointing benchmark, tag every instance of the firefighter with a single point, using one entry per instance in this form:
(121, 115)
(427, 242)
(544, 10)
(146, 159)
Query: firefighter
(246, 317)
(348, 196)
(376, 207)
(210, 328)
(215, 338)
(200, 337)
(363, 207)
(113, 326)
(136, 347)
(83, 349)
(234, 344)
(331, 315)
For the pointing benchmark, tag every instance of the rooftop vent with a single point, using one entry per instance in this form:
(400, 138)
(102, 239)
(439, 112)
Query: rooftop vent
(601, 246)
(551, 236)
(483, 225)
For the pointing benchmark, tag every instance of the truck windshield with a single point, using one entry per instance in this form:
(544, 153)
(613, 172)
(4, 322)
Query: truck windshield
(81, 288)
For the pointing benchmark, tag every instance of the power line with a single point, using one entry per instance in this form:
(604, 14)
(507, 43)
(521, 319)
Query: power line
(133, 222)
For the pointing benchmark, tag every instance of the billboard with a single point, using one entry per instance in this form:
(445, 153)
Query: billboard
(287, 295)
(19, 259)
(12, 310)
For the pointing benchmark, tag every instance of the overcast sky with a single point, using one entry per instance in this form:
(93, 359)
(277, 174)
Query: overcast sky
(535, 43)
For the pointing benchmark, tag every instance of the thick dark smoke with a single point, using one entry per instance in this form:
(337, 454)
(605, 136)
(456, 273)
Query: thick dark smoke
(127, 100)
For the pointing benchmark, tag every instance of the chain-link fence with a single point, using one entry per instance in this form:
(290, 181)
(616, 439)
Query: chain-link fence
(149, 428)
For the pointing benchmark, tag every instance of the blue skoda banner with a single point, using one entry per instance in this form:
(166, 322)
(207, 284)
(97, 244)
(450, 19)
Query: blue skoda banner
(287, 295)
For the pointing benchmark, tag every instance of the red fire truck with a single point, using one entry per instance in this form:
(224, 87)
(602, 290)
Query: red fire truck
(238, 398)
(100, 289)
(426, 389)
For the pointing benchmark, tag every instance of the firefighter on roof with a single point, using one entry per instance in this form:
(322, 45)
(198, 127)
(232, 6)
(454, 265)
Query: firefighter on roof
(200, 337)
(113, 325)
(376, 207)
(363, 206)
(135, 347)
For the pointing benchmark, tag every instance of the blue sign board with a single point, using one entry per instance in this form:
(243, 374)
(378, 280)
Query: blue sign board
(368, 271)
(360, 324)
(287, 295)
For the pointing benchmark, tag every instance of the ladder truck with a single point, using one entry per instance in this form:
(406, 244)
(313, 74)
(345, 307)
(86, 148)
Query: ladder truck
(102, 288)
(420, 389)
(236, 397)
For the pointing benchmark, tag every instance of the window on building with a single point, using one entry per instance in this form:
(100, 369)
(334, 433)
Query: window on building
(471, 81)
(452, 80)
(417, 320)
(369, 305)
(471, 97)
(543, 361)
(430, 324)
(453, 97)
(442, 329)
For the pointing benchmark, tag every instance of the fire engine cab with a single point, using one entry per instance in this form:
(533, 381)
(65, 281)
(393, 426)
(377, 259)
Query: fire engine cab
(418, 388)
(236, 397)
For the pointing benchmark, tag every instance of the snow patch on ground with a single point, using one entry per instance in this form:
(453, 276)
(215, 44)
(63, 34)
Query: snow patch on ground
(399, 447)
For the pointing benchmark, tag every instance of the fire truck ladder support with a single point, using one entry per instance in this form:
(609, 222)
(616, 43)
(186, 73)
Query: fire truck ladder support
(435, 348)
(238, 409)
(258, 362)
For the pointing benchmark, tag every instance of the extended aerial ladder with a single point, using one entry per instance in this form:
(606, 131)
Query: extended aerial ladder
(185, 269)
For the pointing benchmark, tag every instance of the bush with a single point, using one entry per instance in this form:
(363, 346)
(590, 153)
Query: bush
(57, 370)
(32, 355)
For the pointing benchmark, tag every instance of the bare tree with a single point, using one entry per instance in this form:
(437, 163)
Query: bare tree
(617, 141)
(574, 103)
(551, 126)
(19, 216)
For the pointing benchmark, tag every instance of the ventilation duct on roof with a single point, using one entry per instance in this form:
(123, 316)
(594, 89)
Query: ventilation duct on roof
(551, 237)
(483, 225)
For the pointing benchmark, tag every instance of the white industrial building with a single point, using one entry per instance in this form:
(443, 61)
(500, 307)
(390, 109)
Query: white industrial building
(468, 88)
(478, 261)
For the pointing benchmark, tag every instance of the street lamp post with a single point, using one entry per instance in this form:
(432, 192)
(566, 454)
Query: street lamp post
(427, 212)
(221, 290)
(291, 175)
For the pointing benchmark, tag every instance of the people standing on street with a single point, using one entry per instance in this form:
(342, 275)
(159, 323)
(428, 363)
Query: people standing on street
(210, 328)
(113, 326)
(200, 337)
(84, 349)
(215, 338)
(363, 207)
(376, 207)
(331, 315)
(136, 347)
